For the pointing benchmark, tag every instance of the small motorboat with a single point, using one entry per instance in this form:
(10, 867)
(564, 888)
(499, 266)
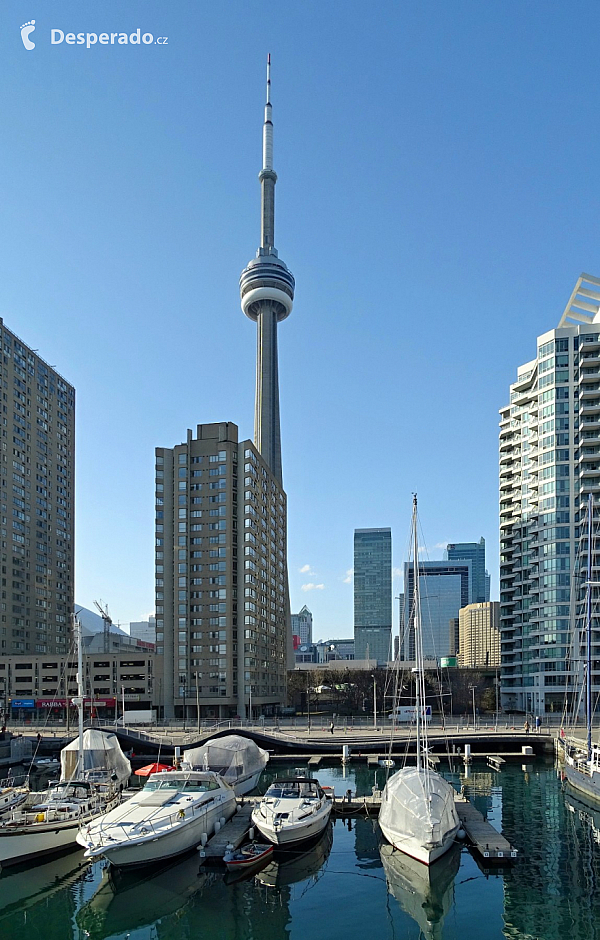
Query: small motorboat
(386, 762)
(248, 857)
(292, 810)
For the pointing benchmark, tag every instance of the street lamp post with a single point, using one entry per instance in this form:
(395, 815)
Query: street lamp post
(374, 703)
(198, 700)
(473, 688)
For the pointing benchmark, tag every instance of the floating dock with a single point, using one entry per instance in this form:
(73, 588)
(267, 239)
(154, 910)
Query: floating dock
(233, 833)
(486, 840)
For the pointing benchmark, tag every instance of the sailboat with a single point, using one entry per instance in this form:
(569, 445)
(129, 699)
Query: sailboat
(582, 765)
(417, 814)
(94, 771)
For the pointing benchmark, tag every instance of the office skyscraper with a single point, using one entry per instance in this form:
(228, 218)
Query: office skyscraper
(302, 624)
(36, 502)
(221, 585)
(549, 462)
(267, 293)
(445, 588)
(373, 594)
(475, 551)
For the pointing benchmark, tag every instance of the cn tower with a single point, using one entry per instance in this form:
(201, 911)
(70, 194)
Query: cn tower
(267, 295)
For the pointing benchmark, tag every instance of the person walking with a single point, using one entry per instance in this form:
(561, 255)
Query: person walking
(331, 727)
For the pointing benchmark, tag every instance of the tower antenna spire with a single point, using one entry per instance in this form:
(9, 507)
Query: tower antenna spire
(268, 128)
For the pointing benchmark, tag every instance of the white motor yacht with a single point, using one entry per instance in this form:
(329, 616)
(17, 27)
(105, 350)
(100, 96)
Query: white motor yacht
(292, 810)
(167, 817)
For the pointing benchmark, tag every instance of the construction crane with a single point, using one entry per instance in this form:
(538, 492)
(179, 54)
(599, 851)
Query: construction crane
(107, 620)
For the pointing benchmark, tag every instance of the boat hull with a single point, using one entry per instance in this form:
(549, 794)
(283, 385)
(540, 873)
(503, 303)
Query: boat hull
(28, 843)
(584, 783)
(295, 834)
(169, 845)
(242, 787)
(413, 848)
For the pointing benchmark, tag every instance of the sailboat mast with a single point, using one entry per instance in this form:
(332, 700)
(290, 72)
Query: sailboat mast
(79, 770)
(417, 627)
(588, 656)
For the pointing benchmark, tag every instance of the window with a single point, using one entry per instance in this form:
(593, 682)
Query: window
(182, 459)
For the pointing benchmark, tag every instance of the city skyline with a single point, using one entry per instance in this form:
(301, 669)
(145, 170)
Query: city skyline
(126, 187)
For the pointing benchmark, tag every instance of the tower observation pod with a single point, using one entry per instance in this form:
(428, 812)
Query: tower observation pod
(267, 295)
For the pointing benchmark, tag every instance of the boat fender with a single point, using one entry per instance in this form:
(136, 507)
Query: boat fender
(217, 826)
(461, 834)
(251, 833)
(203, 838)
(222, 820)
(229, 848)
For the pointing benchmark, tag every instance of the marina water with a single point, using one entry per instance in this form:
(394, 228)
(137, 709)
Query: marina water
(341, 888)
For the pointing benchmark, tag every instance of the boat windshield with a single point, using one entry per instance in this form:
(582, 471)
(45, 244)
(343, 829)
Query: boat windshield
(187, 786)
(292, 789)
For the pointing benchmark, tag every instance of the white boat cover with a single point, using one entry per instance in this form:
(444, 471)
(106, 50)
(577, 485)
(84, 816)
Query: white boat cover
(417, 804)
(101, 752)
(230, 756)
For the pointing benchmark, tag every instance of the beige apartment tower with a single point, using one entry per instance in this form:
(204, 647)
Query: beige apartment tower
(222, 619)
(36, 502)
(479, 635)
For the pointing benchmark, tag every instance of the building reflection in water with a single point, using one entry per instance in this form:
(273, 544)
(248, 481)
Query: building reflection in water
(552, 891)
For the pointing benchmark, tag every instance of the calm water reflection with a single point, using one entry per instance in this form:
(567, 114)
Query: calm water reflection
(346, 886)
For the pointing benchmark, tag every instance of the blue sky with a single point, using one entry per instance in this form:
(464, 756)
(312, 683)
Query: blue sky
(437, 199)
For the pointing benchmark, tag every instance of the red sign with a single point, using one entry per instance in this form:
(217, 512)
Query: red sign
(61, 702)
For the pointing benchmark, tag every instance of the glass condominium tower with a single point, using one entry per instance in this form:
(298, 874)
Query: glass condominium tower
(549, 463)
(373, 594)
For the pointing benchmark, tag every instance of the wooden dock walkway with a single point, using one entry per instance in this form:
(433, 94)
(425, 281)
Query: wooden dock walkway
(233, 833)
(486, 840)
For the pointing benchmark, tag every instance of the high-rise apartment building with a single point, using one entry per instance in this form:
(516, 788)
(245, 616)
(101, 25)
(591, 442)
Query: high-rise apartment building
(36, 502)
(373, 594)
(549, 462)
(475, 552)
(445, 588)
(302, 624)
(221, 576)
(479, 636)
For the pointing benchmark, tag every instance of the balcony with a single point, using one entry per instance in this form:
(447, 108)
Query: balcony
(589, 374)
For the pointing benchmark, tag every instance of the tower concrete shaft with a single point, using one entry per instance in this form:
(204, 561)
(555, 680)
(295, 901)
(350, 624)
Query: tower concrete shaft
(267, 295)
